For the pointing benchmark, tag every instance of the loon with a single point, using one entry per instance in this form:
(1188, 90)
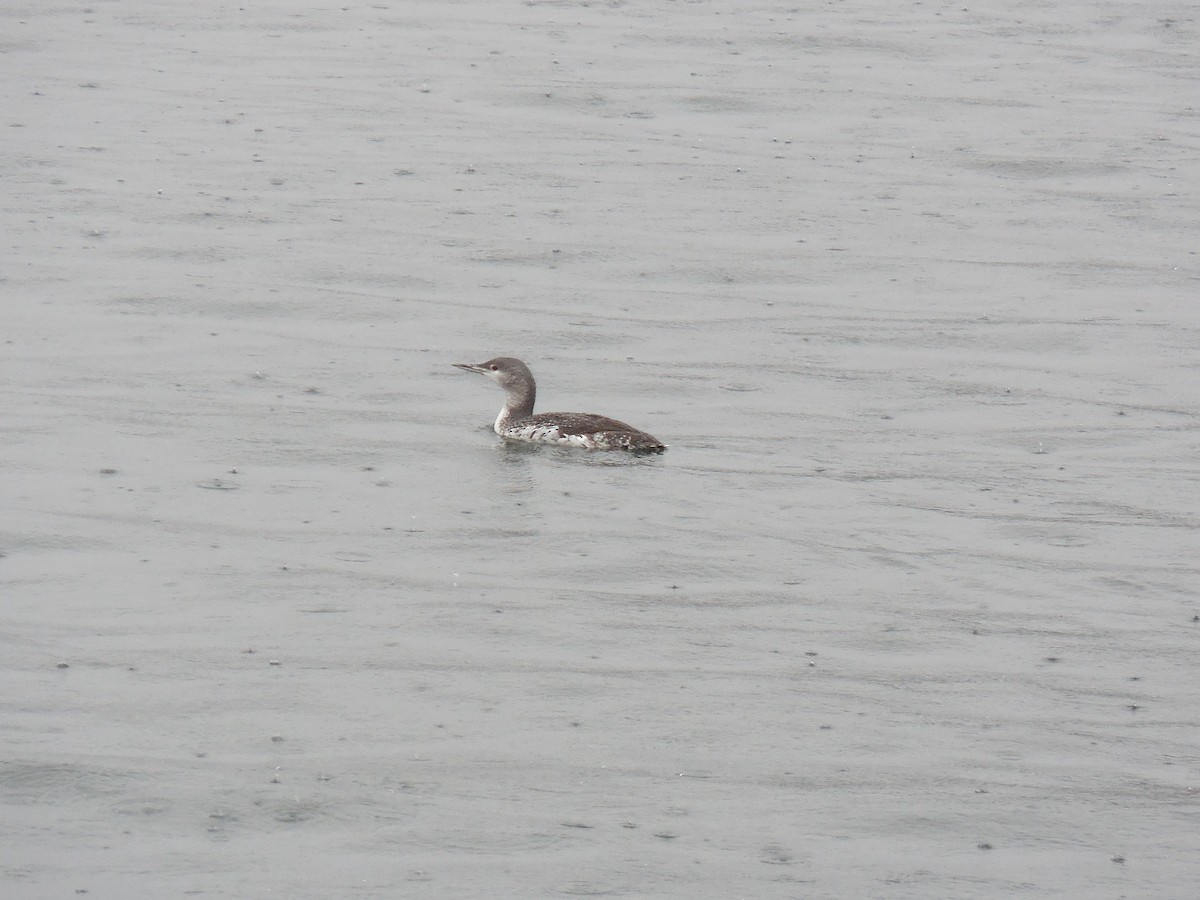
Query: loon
(517, 422)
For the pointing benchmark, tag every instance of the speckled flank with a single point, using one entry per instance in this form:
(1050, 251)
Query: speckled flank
(546, 434)
(632, 440)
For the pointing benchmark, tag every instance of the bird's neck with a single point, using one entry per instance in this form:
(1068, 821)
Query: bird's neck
(518, 406)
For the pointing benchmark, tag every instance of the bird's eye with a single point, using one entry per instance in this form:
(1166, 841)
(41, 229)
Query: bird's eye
(495, 368)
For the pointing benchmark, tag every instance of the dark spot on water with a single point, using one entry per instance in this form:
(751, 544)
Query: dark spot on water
(984, 845)
(216, 484)
(775, 855)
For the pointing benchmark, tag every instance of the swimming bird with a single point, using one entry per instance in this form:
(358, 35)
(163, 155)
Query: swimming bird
(517, 422)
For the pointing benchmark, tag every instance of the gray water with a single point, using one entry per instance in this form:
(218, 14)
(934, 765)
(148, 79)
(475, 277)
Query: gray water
(907, 610)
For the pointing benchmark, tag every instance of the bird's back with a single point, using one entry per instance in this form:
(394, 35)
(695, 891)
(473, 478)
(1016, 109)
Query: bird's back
(583, 430)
